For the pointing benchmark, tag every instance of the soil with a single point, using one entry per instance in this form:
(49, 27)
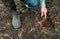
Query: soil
(33, 26)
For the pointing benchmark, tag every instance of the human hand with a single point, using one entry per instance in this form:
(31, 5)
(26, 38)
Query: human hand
(43, 11)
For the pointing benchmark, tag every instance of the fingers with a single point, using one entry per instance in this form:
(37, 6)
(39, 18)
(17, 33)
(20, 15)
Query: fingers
(45, 15)
(41, 14)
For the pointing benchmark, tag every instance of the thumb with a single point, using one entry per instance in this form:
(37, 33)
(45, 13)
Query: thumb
(41, 14)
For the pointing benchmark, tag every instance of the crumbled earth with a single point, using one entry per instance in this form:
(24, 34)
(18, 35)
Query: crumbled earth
(33, 26)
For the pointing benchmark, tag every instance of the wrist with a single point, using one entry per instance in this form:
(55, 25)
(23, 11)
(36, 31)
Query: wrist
(43, 7)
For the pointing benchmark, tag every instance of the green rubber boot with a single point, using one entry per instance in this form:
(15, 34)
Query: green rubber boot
(10, 5)
(16, 22)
